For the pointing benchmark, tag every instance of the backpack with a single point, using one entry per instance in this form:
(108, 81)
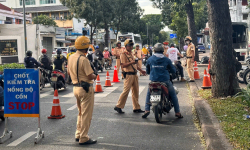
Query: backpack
(204, 60)
(45, 62)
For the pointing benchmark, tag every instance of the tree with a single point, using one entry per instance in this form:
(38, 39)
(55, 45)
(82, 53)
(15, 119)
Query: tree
(44, 20)
(188, 7)
(90, 10)
(223, 70)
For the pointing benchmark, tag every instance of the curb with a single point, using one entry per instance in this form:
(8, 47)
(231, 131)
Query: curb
(210, 126)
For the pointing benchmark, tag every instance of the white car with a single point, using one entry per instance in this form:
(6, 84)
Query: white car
(65, 51)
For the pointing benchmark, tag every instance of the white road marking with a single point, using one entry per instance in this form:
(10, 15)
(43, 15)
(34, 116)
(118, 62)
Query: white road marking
(45, 94)
(69, 95)
(73, 107)
(106, 92)
(141, 88)
(21, 139)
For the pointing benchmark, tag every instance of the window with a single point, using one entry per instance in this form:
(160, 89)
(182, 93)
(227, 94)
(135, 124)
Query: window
(47, 1)
(28, 2)
(244, 3)
(245, 16)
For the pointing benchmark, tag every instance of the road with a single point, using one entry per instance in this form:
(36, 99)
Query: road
(112, 130)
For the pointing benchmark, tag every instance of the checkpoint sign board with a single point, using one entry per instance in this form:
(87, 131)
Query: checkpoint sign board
(21, 93)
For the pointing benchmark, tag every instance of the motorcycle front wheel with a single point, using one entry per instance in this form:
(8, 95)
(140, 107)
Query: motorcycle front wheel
(158, 113)
(240, 76)
(246, 77)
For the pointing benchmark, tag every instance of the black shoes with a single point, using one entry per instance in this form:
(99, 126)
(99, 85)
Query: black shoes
(191, 80)
(119, 110)
(145, 115)
(77, 140)
(90, 141)
(138, 111)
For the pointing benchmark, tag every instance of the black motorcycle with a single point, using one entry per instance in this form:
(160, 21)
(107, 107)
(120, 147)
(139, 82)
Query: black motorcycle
(144, 60)
(107, 65)
(98, 64)
(45, 78)
(243, 76)
(2, 101)
(58, 79)
(160, 100)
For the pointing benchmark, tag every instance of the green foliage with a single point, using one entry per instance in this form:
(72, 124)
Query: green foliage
(230, 113)
(244, 95)
(11, 66)
(44, 20)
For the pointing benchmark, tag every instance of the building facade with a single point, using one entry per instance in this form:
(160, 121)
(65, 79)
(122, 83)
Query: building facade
(239, 11)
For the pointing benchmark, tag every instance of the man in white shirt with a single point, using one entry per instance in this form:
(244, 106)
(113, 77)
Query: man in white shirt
(172, 55)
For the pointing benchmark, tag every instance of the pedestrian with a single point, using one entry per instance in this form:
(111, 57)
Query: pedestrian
(82, 76)
(165, 48)
(117, 52)
(130, 68)
(138, 54)
(161, 75)
(190, 58)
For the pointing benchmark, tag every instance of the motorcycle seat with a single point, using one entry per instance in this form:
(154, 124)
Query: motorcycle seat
(158, 85)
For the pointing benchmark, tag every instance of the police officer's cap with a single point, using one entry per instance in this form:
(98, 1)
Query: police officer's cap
(158, 47)
(188, 38)
(129, 42)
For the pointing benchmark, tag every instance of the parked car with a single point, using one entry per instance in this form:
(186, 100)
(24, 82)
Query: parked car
(65, 51)
(201, 48)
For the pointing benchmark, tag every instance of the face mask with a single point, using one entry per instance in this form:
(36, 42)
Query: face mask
(188, 42)
(166, 46)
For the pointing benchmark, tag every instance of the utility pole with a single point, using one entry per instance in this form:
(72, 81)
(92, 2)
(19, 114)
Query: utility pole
(147, 33)
(24, 23)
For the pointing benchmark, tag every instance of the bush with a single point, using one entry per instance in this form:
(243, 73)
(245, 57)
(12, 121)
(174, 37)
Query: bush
(11, 66)
(244, 95)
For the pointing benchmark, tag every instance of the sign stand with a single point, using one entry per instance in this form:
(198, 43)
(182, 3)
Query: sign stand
(6, 133)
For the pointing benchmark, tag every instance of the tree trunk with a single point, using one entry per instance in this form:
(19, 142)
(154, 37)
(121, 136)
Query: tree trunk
(182, 43)
(106, 35)
(223, 61)
(191, 27)
(91, 36)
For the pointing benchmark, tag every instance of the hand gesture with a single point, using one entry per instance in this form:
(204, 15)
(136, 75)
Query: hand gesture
(144, 72)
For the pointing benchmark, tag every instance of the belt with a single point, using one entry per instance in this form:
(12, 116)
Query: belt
(189, 57)
(79, 85)
(131, 73)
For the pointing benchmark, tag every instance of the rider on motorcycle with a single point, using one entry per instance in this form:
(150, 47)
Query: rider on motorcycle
(99, 54)
(45, 60)
(106, 55)
(172, 55)
(157, 66)
(59, 61)
(30, 62)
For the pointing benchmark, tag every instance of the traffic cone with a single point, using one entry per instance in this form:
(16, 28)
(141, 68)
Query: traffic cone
(206, 82)
(98, 86)
(208, 73)
(196, 71)
(108, 82)
(115, 76)
(56, 112)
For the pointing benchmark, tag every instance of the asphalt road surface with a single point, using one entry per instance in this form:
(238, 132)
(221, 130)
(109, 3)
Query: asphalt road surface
(112, 130)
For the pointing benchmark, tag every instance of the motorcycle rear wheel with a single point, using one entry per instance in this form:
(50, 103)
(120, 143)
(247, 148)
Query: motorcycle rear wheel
(246, 77)
(240, 76)
(158, 113)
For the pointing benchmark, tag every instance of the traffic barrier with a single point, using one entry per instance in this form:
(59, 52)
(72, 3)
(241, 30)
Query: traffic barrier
(208, 73)
(98, 87)
(108, 82)
(206, 81)
(56, 112)
(115, 76)
(196, 71)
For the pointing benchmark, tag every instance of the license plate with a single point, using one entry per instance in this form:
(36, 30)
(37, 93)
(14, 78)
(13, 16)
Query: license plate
(155, 98)
(54, 79)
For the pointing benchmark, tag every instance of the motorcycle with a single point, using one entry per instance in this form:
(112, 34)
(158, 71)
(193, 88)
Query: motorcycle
(107, 65)
(243, 76)
(2, 113)
(45, 77)
(58, 79)
(144, 60)
(2, 101)
(160, 100)
(98, 64)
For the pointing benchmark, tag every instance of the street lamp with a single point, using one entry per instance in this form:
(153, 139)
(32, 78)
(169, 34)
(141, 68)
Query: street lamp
(24, 23)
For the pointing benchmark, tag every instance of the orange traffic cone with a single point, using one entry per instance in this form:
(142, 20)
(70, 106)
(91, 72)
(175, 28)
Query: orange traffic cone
(115, 76)
(56, 112)
(208, 73)
(196, 71)
(108, 82)
(206, 81)
(98, 87)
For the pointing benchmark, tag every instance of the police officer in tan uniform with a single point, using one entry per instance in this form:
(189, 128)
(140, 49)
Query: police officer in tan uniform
(190, 58)
(82, 76)
(138, 54)
(117, 52)
(130, 68)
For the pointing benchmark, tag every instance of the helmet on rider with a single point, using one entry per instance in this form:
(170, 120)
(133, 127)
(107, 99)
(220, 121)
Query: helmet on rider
(97, 47)
(82, 43)
(165, 43)
(59, 51)
(90, 49)
(29, 53)
(44, 51)
(158, 48)
(106, 48)
(172, 45)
